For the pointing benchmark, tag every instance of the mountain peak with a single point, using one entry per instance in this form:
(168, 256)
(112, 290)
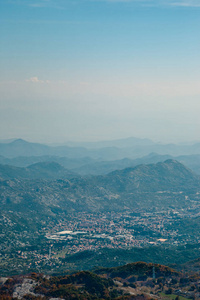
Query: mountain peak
(172, 161)
(19, 142)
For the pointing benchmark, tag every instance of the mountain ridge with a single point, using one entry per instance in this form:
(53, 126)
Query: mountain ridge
(43, 170)
(107, 151)
(159, 185)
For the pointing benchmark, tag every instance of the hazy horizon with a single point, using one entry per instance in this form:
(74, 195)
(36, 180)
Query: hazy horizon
(79, 142)
(90, 70)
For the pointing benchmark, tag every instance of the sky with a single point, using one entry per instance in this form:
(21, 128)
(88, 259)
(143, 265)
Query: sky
(90, 70)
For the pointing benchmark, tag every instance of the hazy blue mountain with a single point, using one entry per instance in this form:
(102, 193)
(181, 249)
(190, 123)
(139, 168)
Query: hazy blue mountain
(43, 170)
(153, 177)
(90, 166)
(23, 148)
(25, 161)
(105, 167)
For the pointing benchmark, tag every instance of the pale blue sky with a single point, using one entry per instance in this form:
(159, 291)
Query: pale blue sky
(93, 70)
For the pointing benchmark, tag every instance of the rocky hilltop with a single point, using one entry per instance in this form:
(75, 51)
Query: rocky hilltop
(137, 281)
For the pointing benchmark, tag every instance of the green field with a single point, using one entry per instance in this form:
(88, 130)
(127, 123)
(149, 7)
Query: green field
(172, 297)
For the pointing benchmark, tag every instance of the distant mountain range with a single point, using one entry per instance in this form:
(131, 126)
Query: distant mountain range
(128, 148)
(41, 170)
(88, 166)
(94, 167)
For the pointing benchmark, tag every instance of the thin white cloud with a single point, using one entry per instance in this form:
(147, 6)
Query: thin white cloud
(35, 79)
